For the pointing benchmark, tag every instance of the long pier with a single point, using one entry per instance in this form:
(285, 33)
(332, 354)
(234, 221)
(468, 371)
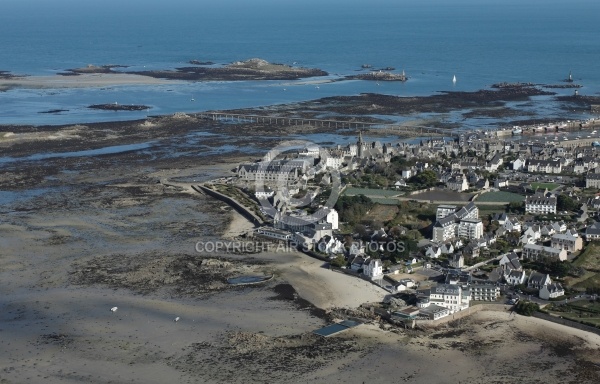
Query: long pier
(397, 129)
(327, 123)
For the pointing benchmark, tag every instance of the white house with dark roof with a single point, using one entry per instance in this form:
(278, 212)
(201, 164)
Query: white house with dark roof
(447, 248)
(494, 163)
(444, 229)
(551, 291)
(458, 183)
(538, 252)
(451, 296)
(592, 180)
(515, 277)
(538, 280)
(593, 232)
(373, 269)
(358, 262)
(456, 261)
(567, 242)
(540, 204)
(433, 251)
(512, 224)
(510, 262)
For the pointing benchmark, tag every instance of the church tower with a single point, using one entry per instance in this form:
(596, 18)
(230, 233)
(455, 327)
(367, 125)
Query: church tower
(360, 146)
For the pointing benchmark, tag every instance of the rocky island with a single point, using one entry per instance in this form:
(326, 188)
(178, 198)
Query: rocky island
(379, 76)
(119, 107)
(252, 69)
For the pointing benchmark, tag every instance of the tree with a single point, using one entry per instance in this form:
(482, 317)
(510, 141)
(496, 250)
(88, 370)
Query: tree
(566, 203)
(352, 209)
(427, 178)
(339, 261)
(526, 308)
(515, 206)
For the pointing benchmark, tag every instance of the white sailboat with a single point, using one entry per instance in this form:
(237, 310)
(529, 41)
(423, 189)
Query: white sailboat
(454, 79)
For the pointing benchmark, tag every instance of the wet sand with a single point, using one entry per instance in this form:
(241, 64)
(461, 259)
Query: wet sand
(79, 81)
(80, 235)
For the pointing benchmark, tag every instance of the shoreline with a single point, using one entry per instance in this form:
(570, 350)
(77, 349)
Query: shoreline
(81, 81)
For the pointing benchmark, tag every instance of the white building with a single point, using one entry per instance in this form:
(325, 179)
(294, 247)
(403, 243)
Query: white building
(458, 183)
(485, 292)
(567, 242)
(274, 233)
(450, 296)
(444, 229)
(264, 194)
(373, 269)
(538, 280)
(470, 229)
(434, 312)
(457, 261)
(551, 291)
(512, 224)
(592, 180)
(538, 252)
(593, 232)
(540, 204)
(444, 211)
(515, 277)
(518, 164)
(462, 223)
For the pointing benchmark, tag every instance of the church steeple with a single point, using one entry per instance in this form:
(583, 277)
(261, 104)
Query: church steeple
(360, 145)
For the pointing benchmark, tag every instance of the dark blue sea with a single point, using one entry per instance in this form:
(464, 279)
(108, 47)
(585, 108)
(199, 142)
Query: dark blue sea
(479, 42)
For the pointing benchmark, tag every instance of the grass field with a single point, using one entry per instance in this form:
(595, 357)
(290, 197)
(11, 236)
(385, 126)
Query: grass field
(500, 197)
(590, 258)
(584, 311)
(485, 210)
(591, 282)
(576, 316)
(370, 192)
(550, 186)
(383, 213)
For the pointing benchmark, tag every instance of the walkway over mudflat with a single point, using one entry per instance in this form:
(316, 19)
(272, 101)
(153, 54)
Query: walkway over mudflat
(360, 125)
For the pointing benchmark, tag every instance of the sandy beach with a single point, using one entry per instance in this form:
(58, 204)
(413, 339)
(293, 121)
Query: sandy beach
(78, 238)
(79, 81)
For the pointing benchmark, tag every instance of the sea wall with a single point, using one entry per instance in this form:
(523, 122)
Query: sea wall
(568, 323)
(232, 202)
(465, 313)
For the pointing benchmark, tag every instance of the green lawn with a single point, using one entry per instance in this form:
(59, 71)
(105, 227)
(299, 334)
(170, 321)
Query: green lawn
(500, 197)
(590, 258)
(583, 317)
(591, 282)
(371, 192)
(550, 186)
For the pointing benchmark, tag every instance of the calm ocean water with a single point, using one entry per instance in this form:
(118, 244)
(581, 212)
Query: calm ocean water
(481, 42)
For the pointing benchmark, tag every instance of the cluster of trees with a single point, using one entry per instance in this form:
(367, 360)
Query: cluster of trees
(559, 268)
(526, 308)
(566, 203)
(352, 209)
(425, 179)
